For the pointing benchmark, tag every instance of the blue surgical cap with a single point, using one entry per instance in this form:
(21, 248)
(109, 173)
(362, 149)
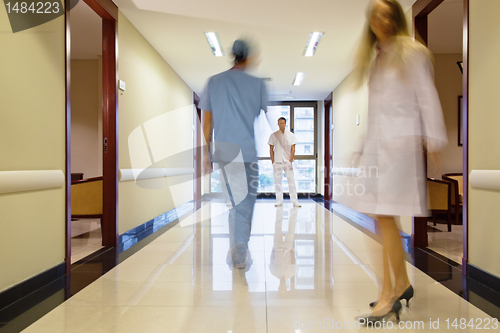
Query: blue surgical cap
(241, 49)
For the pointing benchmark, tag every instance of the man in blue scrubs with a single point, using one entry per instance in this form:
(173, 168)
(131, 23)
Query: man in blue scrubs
(231, 102)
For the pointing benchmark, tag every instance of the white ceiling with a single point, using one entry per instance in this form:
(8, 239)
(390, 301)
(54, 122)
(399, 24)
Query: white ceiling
(281, 28)
(176, 29)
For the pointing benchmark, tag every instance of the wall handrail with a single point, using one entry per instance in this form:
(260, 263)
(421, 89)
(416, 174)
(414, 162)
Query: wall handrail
(138, 174)
(485, 179)
(30, 180)
(349, 171)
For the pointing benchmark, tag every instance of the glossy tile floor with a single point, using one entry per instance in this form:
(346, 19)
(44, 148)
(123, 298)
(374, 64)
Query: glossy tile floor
(86, 238)
(307, 276)
(447, 244)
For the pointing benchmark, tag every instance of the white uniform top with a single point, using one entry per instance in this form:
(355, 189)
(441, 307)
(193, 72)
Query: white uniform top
(282, 143)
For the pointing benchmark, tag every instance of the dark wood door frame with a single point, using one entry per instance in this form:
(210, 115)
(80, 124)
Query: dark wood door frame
(108, 11)
(67, 65)
(328, 148)
(110, 130)
(465, 129)
(420, 12)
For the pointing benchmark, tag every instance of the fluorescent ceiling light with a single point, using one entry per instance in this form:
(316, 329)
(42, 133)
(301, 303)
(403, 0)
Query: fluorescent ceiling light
(299, 76)
(312, 43)
(280, 93)
(215, 44)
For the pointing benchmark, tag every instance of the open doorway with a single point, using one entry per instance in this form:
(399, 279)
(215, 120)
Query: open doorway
(86, 131)
(107, 190)
(445, 41)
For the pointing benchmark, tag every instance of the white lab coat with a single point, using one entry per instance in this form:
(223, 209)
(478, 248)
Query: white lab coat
(403, 109)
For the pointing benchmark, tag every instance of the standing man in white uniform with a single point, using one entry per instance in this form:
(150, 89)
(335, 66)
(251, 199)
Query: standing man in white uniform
(282, 148)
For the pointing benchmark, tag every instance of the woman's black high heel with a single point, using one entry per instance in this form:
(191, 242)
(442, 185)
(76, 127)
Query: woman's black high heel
(396, 310)
(407, 295)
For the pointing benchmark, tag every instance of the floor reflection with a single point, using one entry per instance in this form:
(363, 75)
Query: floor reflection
(302, 264)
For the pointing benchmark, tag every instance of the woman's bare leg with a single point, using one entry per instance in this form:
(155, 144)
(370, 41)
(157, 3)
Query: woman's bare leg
(393, 260)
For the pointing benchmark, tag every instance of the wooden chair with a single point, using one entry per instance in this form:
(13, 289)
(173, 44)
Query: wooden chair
(87, 198)
(439, 198)
(456, 180)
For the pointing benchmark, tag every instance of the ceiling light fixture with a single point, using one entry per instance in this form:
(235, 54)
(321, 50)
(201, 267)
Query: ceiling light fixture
(280, 93)
(215, 44)
(299, 77)
(312, 43)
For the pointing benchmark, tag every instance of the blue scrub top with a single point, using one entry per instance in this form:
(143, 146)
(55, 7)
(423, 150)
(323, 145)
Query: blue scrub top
(235, 100)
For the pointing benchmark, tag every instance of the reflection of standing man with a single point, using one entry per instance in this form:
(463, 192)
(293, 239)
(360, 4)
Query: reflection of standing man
(283, 264)
(282, 149)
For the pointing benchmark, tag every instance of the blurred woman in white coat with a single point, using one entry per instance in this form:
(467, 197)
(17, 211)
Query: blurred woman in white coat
(404, 113)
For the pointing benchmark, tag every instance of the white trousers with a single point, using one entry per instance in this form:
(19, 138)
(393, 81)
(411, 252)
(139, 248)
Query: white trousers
(278, 169)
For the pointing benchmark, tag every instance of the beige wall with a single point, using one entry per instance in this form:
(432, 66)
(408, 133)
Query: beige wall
(32, 94)
(484, 137)
(152, 89)
(448, 80)
(347, 104)
(85, 105)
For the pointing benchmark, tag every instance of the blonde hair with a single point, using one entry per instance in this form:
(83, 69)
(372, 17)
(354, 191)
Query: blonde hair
(366, 50)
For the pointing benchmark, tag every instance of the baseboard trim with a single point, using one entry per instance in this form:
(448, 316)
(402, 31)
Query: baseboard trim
(489, 280)
(129, 238)
(23, 289)
(363, 222)
(266, 195)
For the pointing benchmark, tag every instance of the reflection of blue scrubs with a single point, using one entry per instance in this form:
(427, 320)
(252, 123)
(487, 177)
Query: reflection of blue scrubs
(235, 100)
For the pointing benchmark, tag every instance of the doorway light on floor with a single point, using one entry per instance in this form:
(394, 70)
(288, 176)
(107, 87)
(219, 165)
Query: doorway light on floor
(215, 44)
(299, 77)
(312, 43)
